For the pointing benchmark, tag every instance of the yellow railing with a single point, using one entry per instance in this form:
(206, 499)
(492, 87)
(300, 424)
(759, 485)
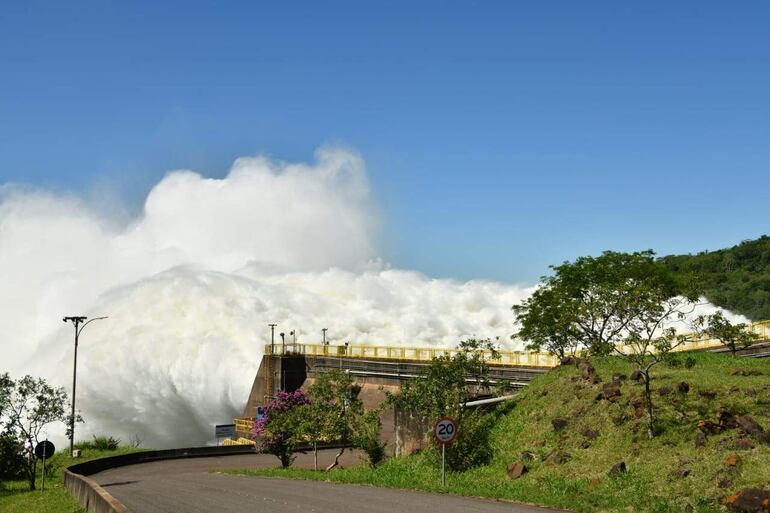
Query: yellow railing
(423, 354)
(244, 424)
(512, 358)
(240, 441)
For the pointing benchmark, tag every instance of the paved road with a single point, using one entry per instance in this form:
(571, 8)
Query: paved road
(188, 486)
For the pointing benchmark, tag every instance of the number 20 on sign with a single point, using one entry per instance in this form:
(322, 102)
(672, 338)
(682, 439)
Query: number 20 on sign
(445, 432)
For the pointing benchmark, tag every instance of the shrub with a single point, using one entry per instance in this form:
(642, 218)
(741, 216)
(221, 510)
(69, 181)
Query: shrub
(366, 436)
(12, 459)
(100, 443)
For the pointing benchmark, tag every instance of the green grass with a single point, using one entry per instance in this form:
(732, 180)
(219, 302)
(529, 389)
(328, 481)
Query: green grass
(582, 483)
(16, 497)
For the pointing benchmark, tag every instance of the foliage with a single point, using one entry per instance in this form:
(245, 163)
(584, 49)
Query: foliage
(443, 388)
(594, 301)
(737, 278)
(732, 336)
(100, 443)
(581, 483)
(12, 460)
(31, 405)
(366, 436)
(278, 430)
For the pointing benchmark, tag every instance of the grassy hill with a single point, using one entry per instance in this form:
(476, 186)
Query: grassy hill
(569, 468)
(736, 278)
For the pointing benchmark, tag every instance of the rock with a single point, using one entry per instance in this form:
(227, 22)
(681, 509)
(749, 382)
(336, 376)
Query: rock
(744, 444)
(664, 391)
(568, 360)
(558, 458)
(611, 392)
(587, 370)
(750, 426)
(700, 440)
(590, 434)
(749, 500)
(681, 473)
(732, 460)
(516, 470)
(527, 456)
(734, 390)
(683, 387)
(585, 444)
(726, 419)
(708, 427)
(559, 423)
(618, 378)
(725, 482)
(637, 375)
(617, 469)
(707, 394)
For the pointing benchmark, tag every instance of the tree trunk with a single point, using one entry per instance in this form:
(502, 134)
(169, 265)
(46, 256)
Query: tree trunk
(648, 402)
(31, 471)
(336, 459)
(315, 456)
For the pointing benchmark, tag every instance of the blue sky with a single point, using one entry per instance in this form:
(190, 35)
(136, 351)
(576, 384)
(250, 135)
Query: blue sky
(500, 137)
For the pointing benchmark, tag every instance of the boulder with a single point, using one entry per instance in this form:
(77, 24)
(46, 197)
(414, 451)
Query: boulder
(707, 394)
(618, 378)
(744, 444)
(559, 423)
(590, 434)
(664, 391)
(558, 457)
(732, 460)
(527, 456)
(611, 392)
(749, 500)
(751, 427)
(617, 469)
(683, 387)
(708, 427)
(516, 470)
(700, 440)
(726, 418)
(637, 375)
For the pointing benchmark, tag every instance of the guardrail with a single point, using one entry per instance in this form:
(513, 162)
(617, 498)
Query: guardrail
(422, 354)
(507, 358)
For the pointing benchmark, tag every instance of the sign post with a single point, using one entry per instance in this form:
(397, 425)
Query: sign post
(44, 450)
(445, 432)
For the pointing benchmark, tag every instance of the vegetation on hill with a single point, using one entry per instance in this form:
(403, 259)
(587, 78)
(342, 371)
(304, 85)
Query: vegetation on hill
(569, 436)
(736, 278)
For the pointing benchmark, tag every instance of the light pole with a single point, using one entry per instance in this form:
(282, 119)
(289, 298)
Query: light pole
(272, 338)
(76, 321)
(323, 330)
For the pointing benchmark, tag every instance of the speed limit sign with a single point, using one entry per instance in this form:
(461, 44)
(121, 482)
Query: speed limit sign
(445, 430)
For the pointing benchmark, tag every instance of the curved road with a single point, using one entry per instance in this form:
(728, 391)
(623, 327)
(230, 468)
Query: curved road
(189, 486)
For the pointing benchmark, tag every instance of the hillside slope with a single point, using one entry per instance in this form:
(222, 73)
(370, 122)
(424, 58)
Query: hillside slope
(736, 278)
(569, 467)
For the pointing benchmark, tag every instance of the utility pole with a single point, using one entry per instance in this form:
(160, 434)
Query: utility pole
(272, 338)
(76, 321)
(283, 361)
(323, 330)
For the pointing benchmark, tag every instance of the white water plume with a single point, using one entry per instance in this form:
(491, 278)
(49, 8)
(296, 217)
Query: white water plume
(191, 285)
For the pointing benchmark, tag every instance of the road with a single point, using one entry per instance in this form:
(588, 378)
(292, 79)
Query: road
(189, 486)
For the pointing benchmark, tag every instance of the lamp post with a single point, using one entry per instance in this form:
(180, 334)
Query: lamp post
(79, 322)
(272, 338)
(323, 330)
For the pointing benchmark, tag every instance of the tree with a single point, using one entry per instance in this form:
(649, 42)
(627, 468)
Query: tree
(545, 325)
(315, 425)
(366, 436)
(338, 396)
(732, 336)
(278, 431)
(31, 405)
(598, 302)
(444, 388)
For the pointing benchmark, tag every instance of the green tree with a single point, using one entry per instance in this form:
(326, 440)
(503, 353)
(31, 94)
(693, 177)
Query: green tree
(444, 388)
(732, 336)
(31, 405)
(598, 302)
(366, 436)
(593, 302)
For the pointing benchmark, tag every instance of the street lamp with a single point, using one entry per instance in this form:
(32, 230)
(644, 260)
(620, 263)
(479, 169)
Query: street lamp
(80, 323)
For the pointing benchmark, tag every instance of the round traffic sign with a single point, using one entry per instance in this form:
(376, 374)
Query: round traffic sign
(44, 449)
(445, 430)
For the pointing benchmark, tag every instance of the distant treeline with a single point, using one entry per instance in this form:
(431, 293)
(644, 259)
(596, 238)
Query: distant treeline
(736, 278)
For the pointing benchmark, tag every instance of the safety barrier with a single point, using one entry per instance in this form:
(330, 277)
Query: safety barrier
(508, 358)
(239, 441)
